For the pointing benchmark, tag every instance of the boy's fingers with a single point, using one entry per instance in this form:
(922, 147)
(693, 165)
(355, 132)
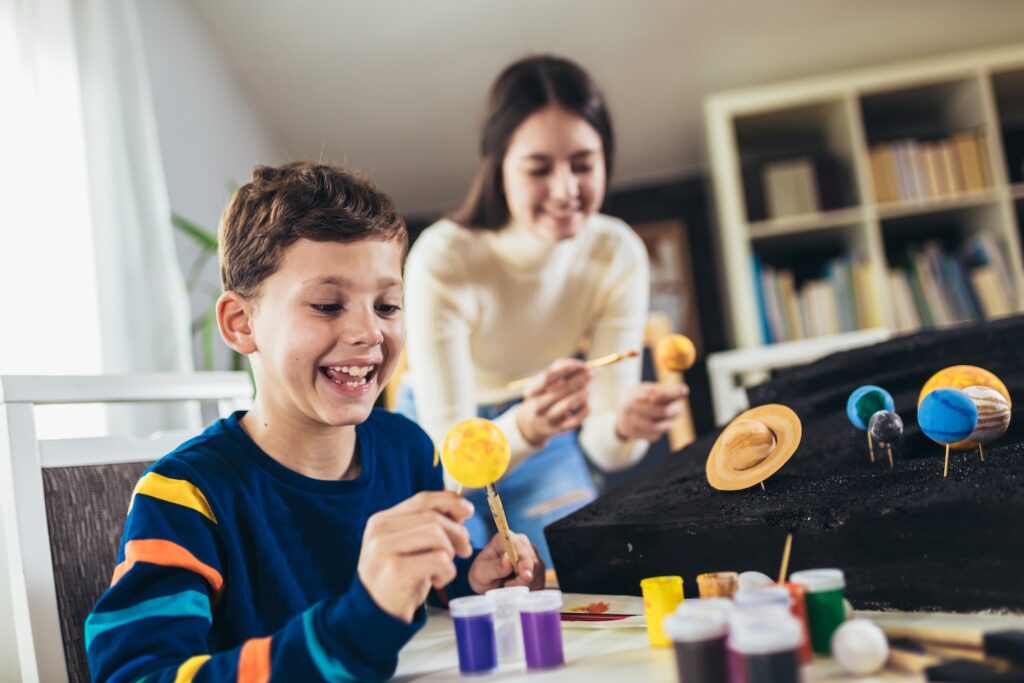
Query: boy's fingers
(447, 503)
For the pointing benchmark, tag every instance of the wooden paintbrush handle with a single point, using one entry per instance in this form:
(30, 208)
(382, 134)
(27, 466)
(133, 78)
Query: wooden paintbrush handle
(498, 511)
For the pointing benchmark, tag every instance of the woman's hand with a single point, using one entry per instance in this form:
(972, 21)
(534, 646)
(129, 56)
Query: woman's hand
(492, 568)
(649, 409)
(555, 401)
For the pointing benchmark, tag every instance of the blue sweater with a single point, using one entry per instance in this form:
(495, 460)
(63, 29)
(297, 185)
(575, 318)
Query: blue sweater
(233, 567)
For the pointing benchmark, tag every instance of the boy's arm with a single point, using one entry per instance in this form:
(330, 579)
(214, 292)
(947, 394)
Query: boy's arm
(156, 618)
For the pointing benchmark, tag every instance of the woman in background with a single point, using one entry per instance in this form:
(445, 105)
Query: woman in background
(520, 278)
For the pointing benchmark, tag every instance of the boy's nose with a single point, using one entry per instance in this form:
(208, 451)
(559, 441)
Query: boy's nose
(363, 329)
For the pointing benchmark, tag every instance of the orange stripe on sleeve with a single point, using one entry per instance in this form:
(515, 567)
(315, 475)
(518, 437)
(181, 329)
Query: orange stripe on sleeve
(254, 661)
(166, 554)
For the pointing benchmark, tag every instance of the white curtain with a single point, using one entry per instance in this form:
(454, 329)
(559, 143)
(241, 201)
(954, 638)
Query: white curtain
(144, 316)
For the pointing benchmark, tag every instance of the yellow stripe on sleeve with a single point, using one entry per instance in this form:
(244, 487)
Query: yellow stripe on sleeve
(187, 671)
(177, 491)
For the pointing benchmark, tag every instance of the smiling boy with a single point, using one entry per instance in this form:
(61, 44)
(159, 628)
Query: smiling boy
(298, 540)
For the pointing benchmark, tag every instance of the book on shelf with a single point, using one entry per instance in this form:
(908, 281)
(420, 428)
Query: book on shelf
(790, 188)
(907, 170)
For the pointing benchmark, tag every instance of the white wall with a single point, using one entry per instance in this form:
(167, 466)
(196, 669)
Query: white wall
(210, 134)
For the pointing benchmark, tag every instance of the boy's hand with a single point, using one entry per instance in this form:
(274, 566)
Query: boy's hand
(411, 547)
(649, 410)
(492, 566)
(557, 400)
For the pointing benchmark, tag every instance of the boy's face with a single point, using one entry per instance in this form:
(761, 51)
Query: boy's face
(328, 329)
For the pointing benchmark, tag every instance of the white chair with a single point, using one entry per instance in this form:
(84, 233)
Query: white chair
(731, 372)
(63, 503)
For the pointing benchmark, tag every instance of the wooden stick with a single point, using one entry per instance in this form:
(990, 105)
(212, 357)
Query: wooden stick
(888, 449)
(498, 511)
(871, 447)
(762, 486)
(945, 468)
(981, 452)
(593, 364)
(785, 558)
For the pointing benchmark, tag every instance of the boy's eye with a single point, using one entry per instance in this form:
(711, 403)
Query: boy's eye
(538, 172)
(327, 308)
(388, 309)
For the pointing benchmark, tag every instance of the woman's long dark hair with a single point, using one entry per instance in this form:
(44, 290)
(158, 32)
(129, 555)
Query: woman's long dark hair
(523, 88)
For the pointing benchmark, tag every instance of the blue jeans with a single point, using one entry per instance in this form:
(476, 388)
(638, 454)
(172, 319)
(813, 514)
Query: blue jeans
(550, 484)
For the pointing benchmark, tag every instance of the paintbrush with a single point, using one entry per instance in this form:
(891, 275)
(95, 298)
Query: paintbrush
(594, 364)
(498, 512)
(935, 668)
(1005, 644)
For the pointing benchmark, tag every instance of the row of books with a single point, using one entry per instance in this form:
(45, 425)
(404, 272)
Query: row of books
(844, 299)
(907, 170)
(935, 288)
(798, 186)
(931, 288)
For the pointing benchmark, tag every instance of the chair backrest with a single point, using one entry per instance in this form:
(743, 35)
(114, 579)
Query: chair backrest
(64, 501)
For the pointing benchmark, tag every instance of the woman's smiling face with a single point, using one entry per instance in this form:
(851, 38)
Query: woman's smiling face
(554, 173)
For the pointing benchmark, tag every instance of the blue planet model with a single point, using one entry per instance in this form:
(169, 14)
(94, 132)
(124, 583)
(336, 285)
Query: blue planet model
(865, 401)
(947, 415)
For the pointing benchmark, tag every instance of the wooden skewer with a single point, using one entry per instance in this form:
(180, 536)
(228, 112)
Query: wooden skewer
(945, 468)
(593, 364)
(871, 447)
(498, 511)
(785, 558)
(888, 449)
(762, 486)
(981, 452)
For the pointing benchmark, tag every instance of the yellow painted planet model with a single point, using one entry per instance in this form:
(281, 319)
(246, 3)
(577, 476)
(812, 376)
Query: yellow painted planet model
(675, 352)
(475, 452)
(961, 377)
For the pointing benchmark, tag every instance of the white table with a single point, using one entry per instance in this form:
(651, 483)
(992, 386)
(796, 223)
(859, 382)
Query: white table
(618, 655)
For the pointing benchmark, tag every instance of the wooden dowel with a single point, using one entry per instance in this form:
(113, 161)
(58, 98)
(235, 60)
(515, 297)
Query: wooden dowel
(498, 511)
(785, 558)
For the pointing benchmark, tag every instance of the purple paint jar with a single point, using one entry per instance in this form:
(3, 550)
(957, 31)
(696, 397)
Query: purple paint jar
(539, 613)
(764, 641)
(474, 633)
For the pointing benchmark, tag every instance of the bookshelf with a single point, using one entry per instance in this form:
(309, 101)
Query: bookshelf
(891, 196)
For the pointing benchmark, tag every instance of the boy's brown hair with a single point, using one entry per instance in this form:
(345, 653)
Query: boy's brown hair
(300, 200)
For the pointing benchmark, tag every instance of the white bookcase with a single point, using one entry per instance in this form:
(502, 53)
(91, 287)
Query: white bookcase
(841, 118)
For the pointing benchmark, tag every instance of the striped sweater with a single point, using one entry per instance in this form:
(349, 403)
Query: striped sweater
(233, 567)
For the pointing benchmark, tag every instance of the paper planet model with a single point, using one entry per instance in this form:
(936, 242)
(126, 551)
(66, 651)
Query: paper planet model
(753, 447)
(962, 377)
(864, 402)
(675, 352)
(947, 416)
(475, 452)
(993, 414)
(885, 427)
(859, 647)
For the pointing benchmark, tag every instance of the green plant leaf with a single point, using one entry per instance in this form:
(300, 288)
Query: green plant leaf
(200, 235)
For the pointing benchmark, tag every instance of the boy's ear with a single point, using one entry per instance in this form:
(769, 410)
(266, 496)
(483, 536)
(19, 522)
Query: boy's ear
(234, 319)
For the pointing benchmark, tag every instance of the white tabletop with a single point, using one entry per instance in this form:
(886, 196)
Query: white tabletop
(611, 654)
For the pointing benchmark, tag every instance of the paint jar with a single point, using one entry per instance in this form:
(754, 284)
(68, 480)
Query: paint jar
(798, 608)
(824, 600)
(507, 628)
(766, 595)
(717, 584)
(763, 643)
(474, 633)
(540, 616)
(754, 580)
(699, 633)
(662, 594)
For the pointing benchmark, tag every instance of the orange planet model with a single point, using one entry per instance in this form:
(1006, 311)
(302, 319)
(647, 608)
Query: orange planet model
(675, 352)
(961, 377)
(475, 452)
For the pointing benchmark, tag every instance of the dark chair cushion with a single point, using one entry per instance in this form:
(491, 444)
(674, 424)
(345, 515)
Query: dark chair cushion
(85, 513)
